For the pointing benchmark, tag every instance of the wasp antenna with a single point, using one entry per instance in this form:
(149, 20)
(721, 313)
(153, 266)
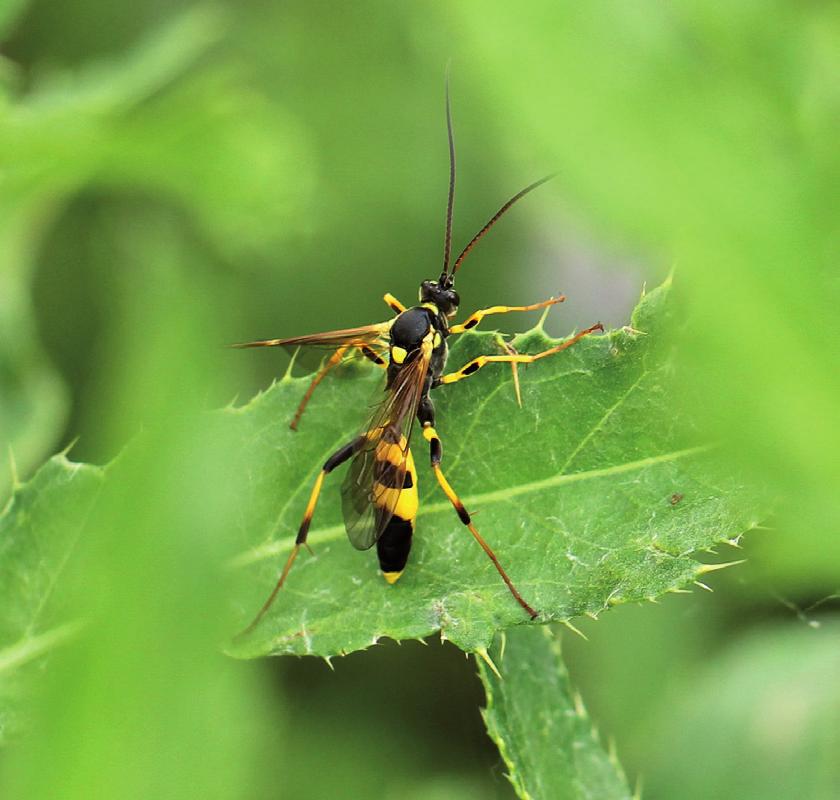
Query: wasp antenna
(450, 203)
(495, 218)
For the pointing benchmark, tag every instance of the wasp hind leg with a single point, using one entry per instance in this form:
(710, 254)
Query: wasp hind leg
(436, 453)
(335, 460)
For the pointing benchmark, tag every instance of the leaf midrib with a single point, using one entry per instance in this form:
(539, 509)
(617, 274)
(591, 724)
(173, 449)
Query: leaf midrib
(486, 498)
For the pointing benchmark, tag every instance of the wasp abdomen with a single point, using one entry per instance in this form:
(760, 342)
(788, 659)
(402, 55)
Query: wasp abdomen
(393, 547)
(394, 544)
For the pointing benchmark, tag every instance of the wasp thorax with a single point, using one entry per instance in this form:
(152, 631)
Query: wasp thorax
(445, 298)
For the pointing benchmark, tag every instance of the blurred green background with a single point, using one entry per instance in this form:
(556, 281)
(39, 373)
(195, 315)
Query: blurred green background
(177, 176)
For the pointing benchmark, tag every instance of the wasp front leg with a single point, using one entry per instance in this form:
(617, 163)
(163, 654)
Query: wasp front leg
(471, 367)
(476, 317)
(395, 305)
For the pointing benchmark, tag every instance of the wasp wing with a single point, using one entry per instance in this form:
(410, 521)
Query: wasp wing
(373, 484)
(369, 335)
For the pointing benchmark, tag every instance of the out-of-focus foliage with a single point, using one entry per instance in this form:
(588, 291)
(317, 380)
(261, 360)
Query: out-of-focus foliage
(775, 702)
(39, 532)
(122, 123)
(287, 166)
(139, 701)
(709, 137)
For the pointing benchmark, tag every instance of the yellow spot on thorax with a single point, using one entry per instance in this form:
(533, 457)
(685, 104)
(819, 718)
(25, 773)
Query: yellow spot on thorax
(398, 354)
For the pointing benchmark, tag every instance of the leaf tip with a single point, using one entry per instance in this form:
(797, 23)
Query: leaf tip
(13, 470)
(574, 629)
(485, 657)
(66, 451)
(704, 569)
(637, 793)
(287, 375)
(580, 708)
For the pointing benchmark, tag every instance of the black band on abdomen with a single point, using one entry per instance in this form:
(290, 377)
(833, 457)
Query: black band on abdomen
(394, 545)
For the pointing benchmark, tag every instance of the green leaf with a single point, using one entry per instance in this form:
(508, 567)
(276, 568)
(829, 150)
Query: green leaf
(594, 493)
(540, 725)
(39, 531)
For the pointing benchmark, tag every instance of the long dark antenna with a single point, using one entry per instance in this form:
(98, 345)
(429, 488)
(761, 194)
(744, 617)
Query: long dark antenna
(447, 240)
(495, 218)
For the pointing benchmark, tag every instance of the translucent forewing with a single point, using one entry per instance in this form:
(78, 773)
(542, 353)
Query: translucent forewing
(381, 462)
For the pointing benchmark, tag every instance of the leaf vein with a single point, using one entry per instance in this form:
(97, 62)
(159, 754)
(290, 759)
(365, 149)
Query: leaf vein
(486, 498)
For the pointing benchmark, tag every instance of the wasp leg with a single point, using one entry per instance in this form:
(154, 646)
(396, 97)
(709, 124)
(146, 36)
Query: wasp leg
(395, 304)
(436, 452)
(473, 320)
(334, 359)
(471, 367)
(371, 354)
(367, 351)
(335, 460)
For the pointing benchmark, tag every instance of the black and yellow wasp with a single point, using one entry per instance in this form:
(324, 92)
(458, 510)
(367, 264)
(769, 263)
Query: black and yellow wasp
(379, 494)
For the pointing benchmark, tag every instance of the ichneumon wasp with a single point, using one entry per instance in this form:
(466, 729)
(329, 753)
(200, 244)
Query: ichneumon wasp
(379, 493)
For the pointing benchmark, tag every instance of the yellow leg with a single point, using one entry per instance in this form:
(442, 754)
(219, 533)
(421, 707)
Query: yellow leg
(299, 542)
(476, 364)
(473, 320)
(430, 435)
(336, 459)
(395, 304)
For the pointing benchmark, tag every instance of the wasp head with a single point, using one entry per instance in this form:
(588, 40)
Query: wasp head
(441, 293)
